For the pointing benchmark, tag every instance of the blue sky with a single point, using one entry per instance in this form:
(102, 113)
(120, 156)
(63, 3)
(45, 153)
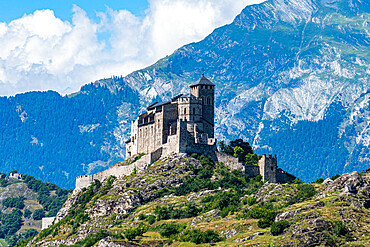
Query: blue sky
(63, 44)
(10, 10)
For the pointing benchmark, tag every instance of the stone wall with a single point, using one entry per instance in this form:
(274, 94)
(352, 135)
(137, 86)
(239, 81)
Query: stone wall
(252, 171)
(283, 176)
(117, 171)
(230, 161)
(46, 222)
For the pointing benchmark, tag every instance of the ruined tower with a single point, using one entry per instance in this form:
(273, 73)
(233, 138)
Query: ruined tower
(205, 90)
(268, 168)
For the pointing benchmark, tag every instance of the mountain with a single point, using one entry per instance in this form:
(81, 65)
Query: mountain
(24, 201)
(292, 78)
(186, 201)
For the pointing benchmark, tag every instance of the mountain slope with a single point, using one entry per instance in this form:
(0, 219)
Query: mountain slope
(292, 77)
(186, 201)
(282, 66)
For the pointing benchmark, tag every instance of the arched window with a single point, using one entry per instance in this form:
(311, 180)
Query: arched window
(203, 100)
(193, 111)
(208, 100)
(184, 111)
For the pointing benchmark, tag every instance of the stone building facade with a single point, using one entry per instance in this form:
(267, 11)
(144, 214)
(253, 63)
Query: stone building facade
(185, 124)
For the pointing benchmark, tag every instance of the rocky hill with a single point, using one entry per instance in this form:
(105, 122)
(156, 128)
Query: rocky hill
(292, 77)
(23, 204)
(188, 201)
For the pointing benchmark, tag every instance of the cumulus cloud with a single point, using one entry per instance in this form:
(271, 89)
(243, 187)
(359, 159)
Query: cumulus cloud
(42, 52)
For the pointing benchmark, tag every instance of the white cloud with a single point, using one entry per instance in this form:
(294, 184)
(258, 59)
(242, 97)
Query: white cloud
(41, 52)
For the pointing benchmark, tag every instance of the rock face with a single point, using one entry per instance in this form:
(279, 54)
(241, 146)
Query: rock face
(347, 183)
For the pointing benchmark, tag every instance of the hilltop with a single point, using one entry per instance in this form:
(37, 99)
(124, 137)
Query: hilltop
(187, 200)
(24, 201)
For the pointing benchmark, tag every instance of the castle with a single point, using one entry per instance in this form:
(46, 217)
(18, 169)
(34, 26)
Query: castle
(183, 125)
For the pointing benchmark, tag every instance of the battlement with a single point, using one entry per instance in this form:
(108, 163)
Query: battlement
(190, 100)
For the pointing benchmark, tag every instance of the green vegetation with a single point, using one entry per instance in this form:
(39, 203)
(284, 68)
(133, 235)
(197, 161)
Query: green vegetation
(38, 214)
(305, 191)
(49, 195)
(240, 149)
(133, 232)
(199, 237)
(278, 228)
(14, 202)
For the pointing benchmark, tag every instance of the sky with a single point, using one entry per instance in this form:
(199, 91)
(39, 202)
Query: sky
(62, 45)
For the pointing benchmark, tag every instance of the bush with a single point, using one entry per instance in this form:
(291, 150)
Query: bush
(265, 214)
(319, 181)
(278, 228)
(335, 177)
(198, 237)
(305, 191)
(251, 200)
(151, 219)
(132, 233)
(27, 213)
(170, 230)
(340, 229)
(14, 202)
(38, 214)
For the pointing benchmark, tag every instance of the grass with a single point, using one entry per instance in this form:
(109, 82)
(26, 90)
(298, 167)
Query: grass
(3, 242)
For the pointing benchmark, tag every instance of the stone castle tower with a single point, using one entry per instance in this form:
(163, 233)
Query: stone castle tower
(205, 90)
(185, 124)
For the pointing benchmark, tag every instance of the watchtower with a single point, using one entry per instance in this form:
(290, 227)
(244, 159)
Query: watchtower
(205, 90)
(268, 168)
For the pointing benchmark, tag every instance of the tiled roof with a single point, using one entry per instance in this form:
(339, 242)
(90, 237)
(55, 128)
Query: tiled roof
(202, 81)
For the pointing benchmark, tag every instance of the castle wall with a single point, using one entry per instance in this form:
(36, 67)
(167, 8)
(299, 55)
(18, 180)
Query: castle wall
(117, 171)
(46, 222)
(230, 161)
(252, 171)
(284, 177)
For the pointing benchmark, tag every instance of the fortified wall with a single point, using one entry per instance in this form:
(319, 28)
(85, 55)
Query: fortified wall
(119, 170)
(267, 168)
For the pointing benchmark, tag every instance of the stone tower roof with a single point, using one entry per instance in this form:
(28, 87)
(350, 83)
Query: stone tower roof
(202, 81)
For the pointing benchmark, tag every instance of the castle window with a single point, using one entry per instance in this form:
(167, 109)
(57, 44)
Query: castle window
(208, 100)
(185, 111)
(193, 111)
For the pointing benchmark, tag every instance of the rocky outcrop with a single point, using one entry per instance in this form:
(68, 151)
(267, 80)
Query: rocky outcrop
(349, 183)
(294, 214)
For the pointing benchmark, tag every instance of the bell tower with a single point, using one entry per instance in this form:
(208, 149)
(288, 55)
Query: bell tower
(205, 90)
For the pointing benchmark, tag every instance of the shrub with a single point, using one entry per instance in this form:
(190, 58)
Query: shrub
(335, 177)
(319, 181)
(265, 214)
(170, 230)
(27, 213)
(14, 202)
(132, 233)
(198, 237)
(151, 219)
(38, 214)
(251, 200)
(278, 228)
(340, 229)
